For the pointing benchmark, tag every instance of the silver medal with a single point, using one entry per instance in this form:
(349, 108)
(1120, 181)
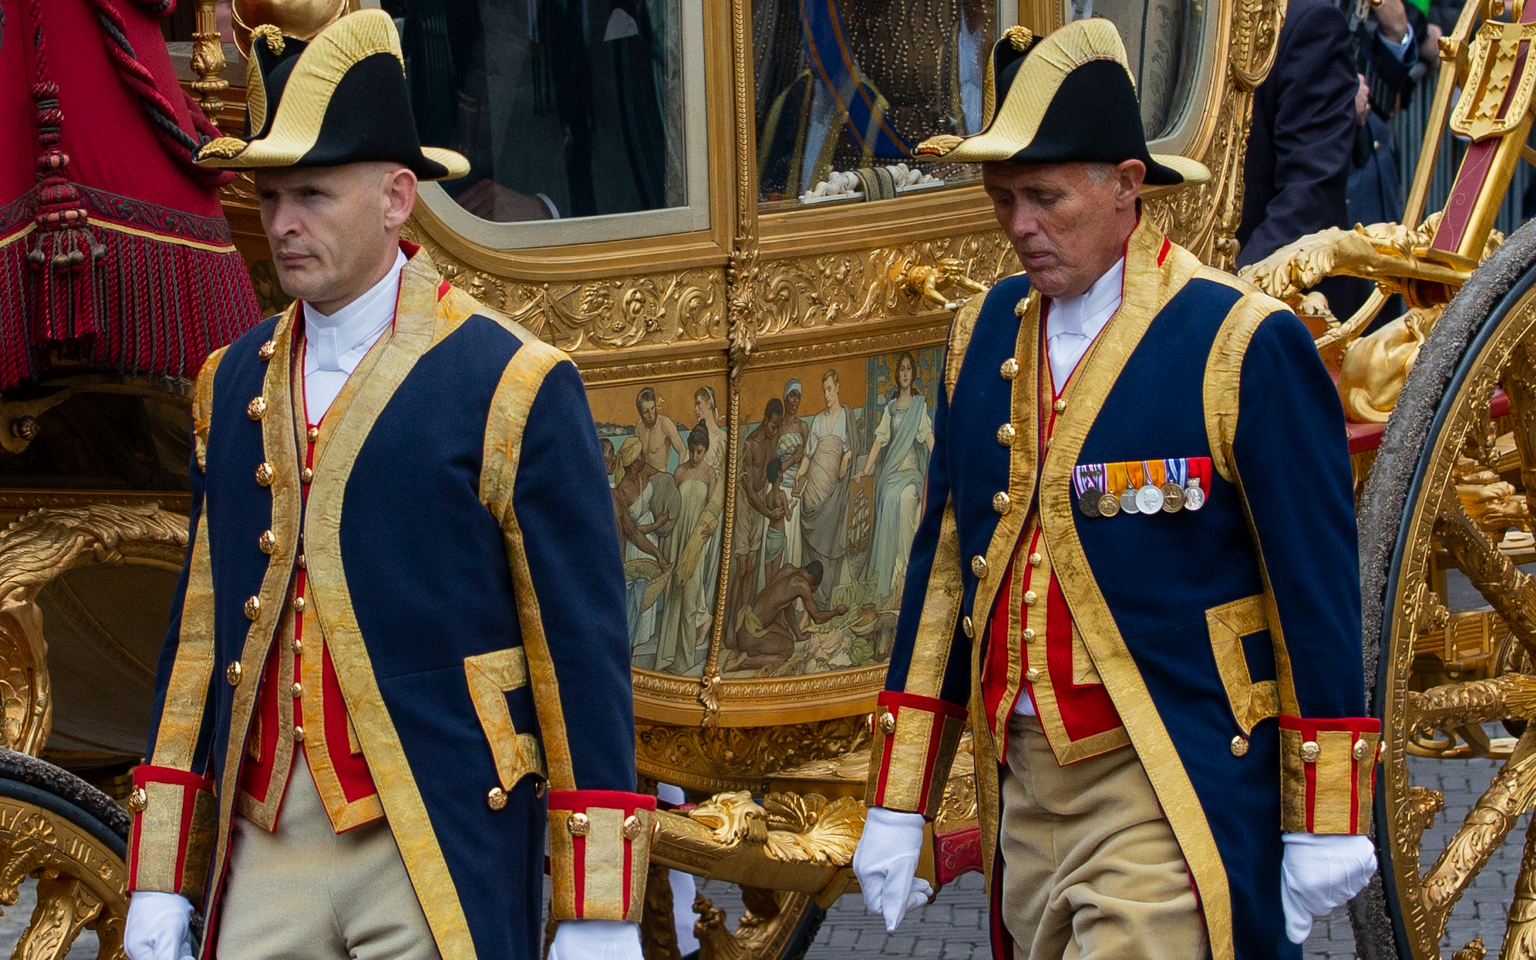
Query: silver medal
(1149, 499)
(1194, 497)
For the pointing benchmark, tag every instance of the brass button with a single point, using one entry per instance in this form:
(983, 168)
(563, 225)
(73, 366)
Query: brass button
(1035, 559)
(1031, 674)
(266, 350)
(297, 645)
(252, 608)
(137, 800)
(578, 825)
(265, 474)
(496, 799)
(267, 542)
(1001, 502)
(257, 408)
(1005, 434)
(633, 827)
(967, 627)
(1030, 598)
(1029, 635)
(888, 722)
(232, 673)
(979, 566)
(298, 690)
(313, 433)
(1362, 749)
(298, 734)
(1310, 751)
(1060, 405)
(1010, 368)
(1239, 746)
(538, 789)
(307, 475)
(298, 604)
(302, 561)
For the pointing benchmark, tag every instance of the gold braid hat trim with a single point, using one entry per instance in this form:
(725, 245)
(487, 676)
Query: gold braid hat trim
(272, 34)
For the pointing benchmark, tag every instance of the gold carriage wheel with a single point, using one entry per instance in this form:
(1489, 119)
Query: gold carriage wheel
(69, 839)
(1444, 493)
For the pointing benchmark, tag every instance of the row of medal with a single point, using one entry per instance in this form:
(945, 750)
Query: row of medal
(1141, 486)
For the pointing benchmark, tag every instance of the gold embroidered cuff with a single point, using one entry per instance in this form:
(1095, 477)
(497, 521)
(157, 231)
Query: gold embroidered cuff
(915, 742)
(1327, 774)
(599, 848)
(175, 820)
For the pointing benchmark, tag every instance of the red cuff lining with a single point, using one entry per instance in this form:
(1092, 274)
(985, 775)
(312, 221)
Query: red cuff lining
(898, 698)
(577, 800)
(1307, 725)
(146, 773)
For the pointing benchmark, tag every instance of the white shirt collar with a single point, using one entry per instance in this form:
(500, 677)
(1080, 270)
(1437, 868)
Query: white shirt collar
(337, 343)
(1072, 323)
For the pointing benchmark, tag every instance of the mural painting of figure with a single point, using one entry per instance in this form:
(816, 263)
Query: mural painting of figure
(650, 498)
(753, 512)
(766, 631)
(822, 486)
(656, 432)
(905, 437)
(689, 599)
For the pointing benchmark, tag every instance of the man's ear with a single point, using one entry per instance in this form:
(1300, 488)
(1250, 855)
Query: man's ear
(399, 196)
(1129, 176)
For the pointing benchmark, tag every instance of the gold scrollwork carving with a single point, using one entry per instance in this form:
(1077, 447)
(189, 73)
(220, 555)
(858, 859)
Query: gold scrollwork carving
(80, 884)
(721, 758)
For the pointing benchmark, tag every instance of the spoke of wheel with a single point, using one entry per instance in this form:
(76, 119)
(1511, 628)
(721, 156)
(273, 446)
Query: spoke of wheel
(1520, 934)
(64, 906)
(1511, 593)
(1456, 705)
(1510, 794)
(1519, 379)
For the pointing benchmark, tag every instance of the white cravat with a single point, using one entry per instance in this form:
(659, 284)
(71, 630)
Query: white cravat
(1071, 324)
(335, 345)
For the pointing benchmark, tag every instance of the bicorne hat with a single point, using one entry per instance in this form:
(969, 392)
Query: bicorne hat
(339, 98)
(1065, 98)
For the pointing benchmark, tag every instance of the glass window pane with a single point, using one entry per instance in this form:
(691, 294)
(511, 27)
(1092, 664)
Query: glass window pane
(565, 108)
(847, 87)
(1162, 41)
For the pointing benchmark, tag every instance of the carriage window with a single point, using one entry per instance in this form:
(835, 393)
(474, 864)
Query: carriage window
(1162, 42)
(846, 89)
(565, 108)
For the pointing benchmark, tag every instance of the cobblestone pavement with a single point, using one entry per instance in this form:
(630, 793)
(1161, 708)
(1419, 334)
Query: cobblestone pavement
(954, 927)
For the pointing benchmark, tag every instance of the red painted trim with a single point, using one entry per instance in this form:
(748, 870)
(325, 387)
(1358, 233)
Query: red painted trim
(610, 799)
(1464, 193)
(956, 853)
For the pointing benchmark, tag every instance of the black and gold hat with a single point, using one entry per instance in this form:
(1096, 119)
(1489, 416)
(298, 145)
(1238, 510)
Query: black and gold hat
(1065, 98)
(339, 98)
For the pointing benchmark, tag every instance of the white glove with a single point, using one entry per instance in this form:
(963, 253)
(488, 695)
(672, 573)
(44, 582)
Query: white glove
(1320, 872)
(157, 927)
(886, 864)
(596, 940)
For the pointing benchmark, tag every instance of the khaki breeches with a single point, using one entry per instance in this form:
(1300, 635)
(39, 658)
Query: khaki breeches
(1091, 869)
(309, 893)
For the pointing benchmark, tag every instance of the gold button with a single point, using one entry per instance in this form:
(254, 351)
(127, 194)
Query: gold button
(888, 722)
(1239, 746)
(307, 475)
(137, 800)
(1035, 559)
(298, 690)
(967, 627)
(257, 408)
(1310, 751)
(1060, 405)
(298, 734)
(1001, 502)
(232, 673)
(633, 827)
(1005, 434)
(252, 608)
(298, 604)
(266, 350)
(1030, 598)
(538, 789)
(1029, 635)
(1362, 749)
(496, 799)
(267, 542)
(1031, 674)
(1010, 368)
(578, 825)
(979, 566)
(301, 561)
(313, 433)
(265, 474)
(297, 645)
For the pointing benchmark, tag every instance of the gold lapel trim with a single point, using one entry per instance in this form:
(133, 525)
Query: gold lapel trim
(278, 449)
(1024, 414)
(412, 335)
(1148, 287)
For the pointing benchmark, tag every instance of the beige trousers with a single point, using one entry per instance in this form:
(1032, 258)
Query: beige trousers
(1091, 869)
(309, 893)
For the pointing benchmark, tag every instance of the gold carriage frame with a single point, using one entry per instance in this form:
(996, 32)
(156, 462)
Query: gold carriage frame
(761, 290)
